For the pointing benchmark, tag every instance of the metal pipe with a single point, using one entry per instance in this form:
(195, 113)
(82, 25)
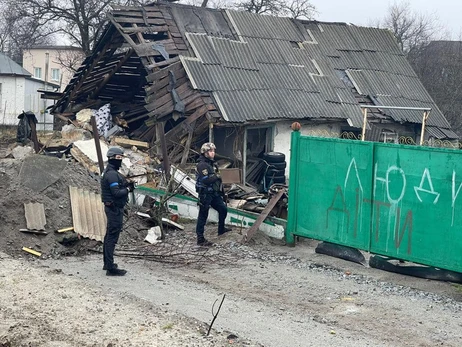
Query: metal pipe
(397, 108)
(244, 156)
(424, 122)
(363, 133)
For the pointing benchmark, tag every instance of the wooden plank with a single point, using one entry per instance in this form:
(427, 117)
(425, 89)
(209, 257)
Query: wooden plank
(146, 49)
(150, 29)
(31, 251)
(183, 90)
(180, 77)
(136, 14)
(163, 89)
(187, 146)
(84, 160)
(162, 64)
(121, 141)
(155, 21)
(194, 103)
(158, 75)
(131, 8)
(253, 229)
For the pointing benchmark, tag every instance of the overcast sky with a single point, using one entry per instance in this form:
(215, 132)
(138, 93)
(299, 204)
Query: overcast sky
(365, 12)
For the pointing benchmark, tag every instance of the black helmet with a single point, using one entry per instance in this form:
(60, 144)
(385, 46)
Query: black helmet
(113, 151)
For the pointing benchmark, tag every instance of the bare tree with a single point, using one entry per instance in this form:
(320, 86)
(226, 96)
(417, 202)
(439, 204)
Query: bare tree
(261, 6)
(439, 67)
(79, 21)
(411, 29)
(298, 9)
(18, 33)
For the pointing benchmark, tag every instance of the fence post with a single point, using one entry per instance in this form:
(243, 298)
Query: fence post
(293, 183)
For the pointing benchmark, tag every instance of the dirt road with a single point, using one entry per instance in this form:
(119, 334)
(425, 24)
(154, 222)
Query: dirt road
(275, 296)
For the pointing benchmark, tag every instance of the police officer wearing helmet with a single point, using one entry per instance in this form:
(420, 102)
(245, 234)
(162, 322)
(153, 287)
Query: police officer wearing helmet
(114, 193)
(210, 189)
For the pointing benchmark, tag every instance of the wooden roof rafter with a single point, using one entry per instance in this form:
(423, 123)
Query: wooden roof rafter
(111, 73)
(87, 73)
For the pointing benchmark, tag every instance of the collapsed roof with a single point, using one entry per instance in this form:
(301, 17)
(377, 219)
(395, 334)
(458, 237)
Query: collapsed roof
(166, 60)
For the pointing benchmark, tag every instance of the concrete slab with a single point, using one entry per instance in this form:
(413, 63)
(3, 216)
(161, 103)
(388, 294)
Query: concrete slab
(39, 171)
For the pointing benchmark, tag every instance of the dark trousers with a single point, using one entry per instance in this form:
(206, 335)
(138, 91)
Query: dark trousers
(115, 216)
(205, 202)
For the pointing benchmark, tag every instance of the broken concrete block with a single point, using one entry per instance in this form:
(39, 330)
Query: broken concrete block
(84, 115)
(20, 152)
(154, 235)
(71, 133)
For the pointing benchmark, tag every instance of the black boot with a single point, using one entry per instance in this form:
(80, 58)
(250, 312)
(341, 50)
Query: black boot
(205, 243)
(114, 266)
(116, 272)
(225, 230)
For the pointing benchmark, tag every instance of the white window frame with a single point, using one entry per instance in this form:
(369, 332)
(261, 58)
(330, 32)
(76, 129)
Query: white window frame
(38, 72)
(54, 72)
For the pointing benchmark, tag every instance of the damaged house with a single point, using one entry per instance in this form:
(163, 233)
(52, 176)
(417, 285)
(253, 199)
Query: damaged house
(177, 76)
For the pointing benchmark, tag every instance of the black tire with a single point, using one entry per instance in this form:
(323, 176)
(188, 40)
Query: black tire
(275, 172)
(277, 166)
(275, 179)
(274, 157)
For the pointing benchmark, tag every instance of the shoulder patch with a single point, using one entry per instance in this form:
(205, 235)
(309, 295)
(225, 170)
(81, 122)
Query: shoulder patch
(205, 172)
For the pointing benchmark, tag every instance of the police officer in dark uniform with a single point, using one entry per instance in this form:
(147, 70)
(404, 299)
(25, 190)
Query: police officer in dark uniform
(210, 188)
(114, 193)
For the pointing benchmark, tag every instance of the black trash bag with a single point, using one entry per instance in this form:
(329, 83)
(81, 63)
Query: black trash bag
(24, 129)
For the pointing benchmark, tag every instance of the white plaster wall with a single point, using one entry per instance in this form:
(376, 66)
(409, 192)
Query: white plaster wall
(283, 133)
(33, 102)
(12, 100)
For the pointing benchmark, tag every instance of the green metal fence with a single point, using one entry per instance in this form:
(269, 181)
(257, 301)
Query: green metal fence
(400, 201)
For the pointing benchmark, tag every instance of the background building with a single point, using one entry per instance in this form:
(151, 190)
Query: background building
(19, 92)
(55, 64)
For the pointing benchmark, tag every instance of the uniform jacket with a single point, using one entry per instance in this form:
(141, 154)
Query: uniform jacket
(208, 179)
(113, 187)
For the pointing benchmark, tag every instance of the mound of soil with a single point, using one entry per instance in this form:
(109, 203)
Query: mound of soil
(56, 200)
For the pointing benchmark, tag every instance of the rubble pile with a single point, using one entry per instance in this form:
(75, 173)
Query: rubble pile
(20, 186)
(40, 174)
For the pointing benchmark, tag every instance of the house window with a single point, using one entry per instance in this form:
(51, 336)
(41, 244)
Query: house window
(55, 74)
(38, 72)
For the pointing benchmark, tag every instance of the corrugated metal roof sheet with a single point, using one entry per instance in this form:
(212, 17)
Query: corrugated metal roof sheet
(280, 63)
(203, 48)
(257, 105)
(435, 118)
(449, 133)
(268, 27)
(435, 132)
(35, 216)
(88, 214)
(9, 67)
(234, 54)
(263, 51)
(374, 39)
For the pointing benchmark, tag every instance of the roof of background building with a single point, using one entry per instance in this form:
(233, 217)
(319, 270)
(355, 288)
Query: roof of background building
(9, 67)
(56, 47)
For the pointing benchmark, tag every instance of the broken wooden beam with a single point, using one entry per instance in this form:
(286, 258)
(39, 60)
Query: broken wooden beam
(253, 229)
(123, 142)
